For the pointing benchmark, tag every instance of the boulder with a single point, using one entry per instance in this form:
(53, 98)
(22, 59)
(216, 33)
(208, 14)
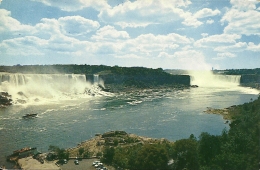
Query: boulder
(5, 99)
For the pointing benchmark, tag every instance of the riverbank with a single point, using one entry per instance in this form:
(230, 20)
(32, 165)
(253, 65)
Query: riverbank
(223, 112)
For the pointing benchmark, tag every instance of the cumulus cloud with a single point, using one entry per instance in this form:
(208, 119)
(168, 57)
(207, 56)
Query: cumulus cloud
(141, 13)
(210, 21)
(10, 25)
(253, 47)
(75, 5)
(152, 45)
(204, 35)
(190, 20)
(217, 39)
(23, 46)
(241, 18)
(77, 25)
(244, 4)
(227, 54)
(129, 56)
(238, 47)
(110, 33)
(206, 12)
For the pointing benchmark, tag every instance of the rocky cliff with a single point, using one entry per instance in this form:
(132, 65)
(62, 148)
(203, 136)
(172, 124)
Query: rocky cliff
(251, 80)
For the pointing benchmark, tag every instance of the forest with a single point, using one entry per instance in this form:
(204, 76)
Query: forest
(236, 149)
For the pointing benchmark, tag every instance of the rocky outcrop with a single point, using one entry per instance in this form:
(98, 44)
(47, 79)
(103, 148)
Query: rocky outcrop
(5, 99)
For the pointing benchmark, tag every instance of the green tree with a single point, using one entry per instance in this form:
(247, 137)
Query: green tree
(209, 147)
(81, 151)
(151, 156)
(60, 152)
(108, 155)
(186, 154)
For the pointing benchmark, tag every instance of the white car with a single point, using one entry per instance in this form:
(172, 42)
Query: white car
(99, 165)
(95, 163)
(76, 162)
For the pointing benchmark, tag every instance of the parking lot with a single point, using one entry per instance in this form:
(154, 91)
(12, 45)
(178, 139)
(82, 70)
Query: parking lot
(85, 164)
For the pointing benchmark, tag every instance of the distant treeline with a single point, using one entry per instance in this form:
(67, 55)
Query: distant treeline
(79, 69)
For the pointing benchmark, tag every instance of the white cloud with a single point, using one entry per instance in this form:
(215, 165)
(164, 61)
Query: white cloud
(128, 56)
(217, 39)
(225, 55)
(238, 47)
(253, 47)
(190, 20)
(109, 33)
(23, 46)
(141, 13)
(77, 25)
(204, 35)
(241, 18)
(210, 21)
(152, 45)
(47, 28)
(206, 12)
(75, 5)
(9, 25)
(244, 4)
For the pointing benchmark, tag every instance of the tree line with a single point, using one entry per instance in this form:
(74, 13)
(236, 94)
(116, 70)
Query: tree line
(80, 69)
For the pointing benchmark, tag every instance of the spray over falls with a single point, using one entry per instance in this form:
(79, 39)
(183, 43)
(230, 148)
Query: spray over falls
(208, 79)
(26, 88)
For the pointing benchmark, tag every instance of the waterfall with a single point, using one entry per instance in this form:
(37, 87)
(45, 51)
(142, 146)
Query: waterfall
(208, 79)
(96, 78)
(43, 86)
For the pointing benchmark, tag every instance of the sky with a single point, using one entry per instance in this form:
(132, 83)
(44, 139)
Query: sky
(168, 34)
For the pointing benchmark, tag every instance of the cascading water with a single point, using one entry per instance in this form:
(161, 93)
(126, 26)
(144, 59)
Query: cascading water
(40, 87)
(208, 79)
(96, 78)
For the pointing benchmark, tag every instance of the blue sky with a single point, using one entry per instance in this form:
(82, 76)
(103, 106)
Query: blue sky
(171, 34)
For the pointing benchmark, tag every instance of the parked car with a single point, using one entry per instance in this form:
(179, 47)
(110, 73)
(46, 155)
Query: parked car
(95, 163)
(76, 162)
(62, 161)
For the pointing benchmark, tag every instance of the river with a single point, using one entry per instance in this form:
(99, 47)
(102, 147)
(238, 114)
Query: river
(164, 113)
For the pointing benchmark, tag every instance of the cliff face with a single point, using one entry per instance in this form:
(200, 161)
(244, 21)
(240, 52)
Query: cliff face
(251, 80)
(146, 79)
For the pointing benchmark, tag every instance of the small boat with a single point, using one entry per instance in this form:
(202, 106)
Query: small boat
(30, 115)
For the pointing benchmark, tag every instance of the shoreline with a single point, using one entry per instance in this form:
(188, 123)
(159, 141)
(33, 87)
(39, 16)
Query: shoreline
(225, 112)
